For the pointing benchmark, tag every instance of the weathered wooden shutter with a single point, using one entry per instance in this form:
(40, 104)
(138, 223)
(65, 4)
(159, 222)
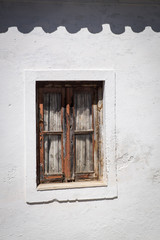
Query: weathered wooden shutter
(84, 133)
(51, 102)
(68, 126)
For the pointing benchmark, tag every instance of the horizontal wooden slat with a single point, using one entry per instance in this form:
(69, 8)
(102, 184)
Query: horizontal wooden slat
(90, 172)
(85, 176)
(52, 178)
(48, 176)
(51, 132)
(83, 131)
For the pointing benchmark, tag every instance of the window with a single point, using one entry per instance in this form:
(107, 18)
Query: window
(106, 185)
(69, 131)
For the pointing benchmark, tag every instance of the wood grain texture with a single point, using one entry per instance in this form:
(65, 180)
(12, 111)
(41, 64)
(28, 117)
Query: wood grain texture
(83, 132)
(52, 111)
(51, 135)
(83, 111)
(84, 147)
(52, 154)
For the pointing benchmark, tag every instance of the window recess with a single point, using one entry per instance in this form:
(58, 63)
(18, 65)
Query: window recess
(69, 131)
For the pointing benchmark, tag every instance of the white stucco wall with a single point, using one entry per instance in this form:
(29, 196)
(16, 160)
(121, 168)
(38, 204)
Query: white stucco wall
(124, 38)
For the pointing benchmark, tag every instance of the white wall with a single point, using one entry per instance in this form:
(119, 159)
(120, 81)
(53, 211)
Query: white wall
(121, 37)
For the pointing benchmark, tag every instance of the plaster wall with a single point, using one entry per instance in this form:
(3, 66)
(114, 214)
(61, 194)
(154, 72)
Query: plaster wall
(124, 38)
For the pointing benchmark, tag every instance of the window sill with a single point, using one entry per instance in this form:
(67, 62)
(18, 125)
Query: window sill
(68, 185)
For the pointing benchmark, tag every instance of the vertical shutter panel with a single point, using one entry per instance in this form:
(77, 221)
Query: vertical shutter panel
(51, 148)
(84, 134)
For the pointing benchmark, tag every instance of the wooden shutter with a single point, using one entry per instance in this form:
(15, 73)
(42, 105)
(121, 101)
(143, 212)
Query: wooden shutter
(51, 114)
(85, 122)
(68, 133)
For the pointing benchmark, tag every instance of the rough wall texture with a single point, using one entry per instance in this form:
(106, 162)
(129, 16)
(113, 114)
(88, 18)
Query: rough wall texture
(125, 38)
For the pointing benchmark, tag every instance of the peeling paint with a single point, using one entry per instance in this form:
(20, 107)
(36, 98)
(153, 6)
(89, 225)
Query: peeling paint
(156, 176)
(10, 176)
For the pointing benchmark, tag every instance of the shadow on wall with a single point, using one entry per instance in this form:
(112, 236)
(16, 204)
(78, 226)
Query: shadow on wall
(75, 16)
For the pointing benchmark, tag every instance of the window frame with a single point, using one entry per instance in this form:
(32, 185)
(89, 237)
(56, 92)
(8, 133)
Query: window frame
(107, 189)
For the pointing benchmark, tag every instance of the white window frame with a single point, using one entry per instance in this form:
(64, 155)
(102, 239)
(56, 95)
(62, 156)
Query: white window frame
(108, 188)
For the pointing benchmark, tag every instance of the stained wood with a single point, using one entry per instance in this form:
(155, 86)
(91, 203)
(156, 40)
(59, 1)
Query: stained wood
(63, 130)
(83, 131)
(67, 146)
(46, 109)
(100, 124)
(52, 133)
(72, 165)
(41, 138)
(96, 133)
